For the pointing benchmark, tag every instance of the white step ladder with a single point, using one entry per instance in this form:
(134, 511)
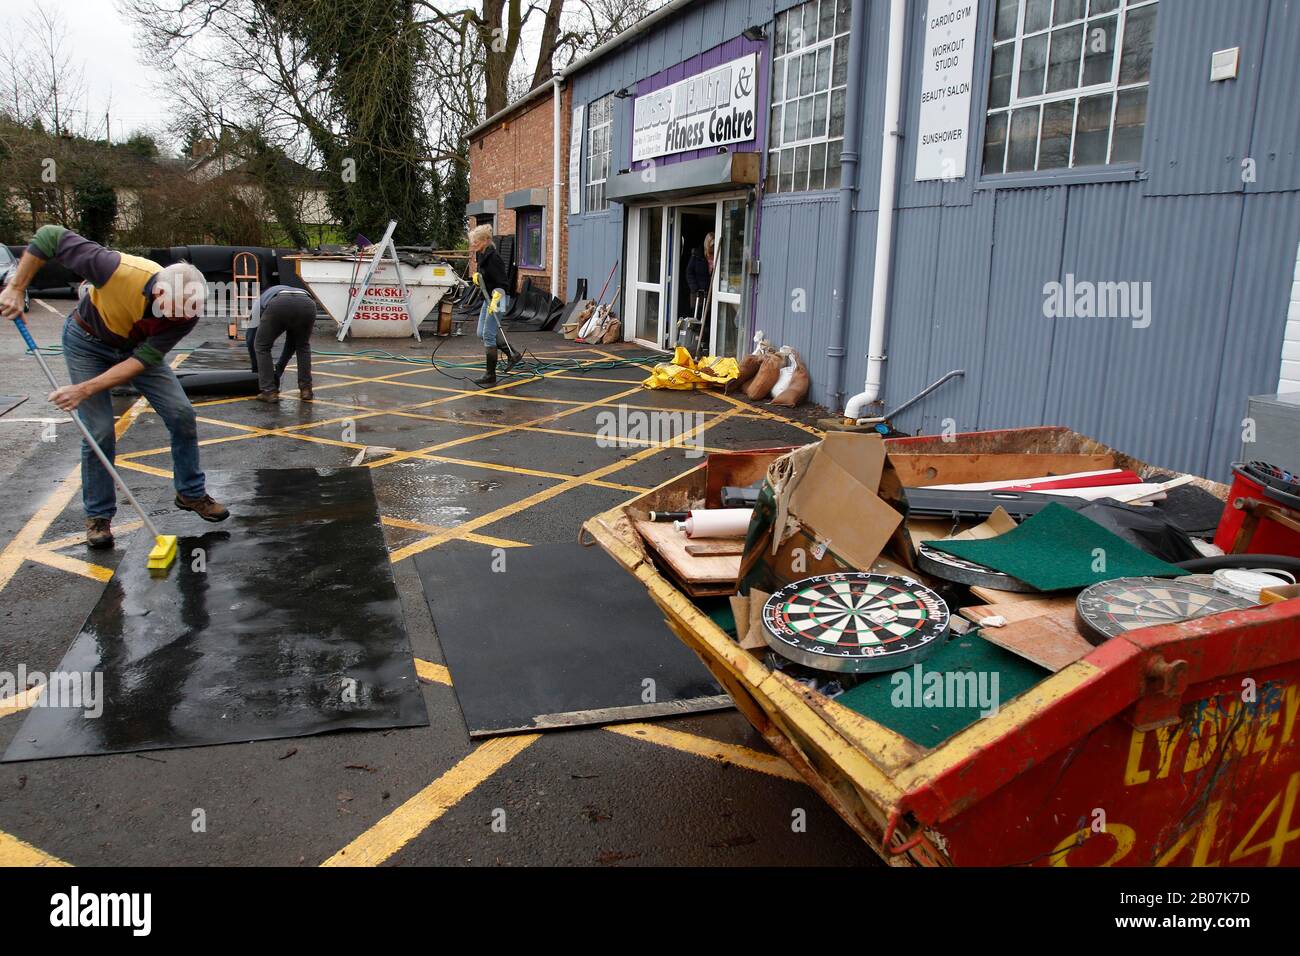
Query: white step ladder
(385, 252)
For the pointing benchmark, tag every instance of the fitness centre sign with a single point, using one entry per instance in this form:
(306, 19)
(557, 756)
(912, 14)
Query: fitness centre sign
(710, 109)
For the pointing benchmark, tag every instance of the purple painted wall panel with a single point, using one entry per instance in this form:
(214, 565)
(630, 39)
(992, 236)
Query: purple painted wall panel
(722, 53)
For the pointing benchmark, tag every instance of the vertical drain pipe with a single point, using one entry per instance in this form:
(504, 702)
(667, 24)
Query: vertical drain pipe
(843, 276)
(891, 133)
(556, 186)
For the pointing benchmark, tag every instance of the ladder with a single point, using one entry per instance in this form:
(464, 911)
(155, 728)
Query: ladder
(246, 272)
(385, 252)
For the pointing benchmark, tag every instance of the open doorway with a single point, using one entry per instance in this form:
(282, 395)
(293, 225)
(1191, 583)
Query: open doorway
(695, 227)
(661, 286)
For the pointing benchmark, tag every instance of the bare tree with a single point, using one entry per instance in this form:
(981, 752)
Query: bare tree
(398, 81)
(58, 80)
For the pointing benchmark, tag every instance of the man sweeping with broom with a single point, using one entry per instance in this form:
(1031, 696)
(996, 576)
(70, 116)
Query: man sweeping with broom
(135, 312)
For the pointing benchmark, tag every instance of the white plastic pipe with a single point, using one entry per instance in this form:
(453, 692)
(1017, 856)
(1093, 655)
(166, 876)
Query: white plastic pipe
(556, 185)
(890, 136)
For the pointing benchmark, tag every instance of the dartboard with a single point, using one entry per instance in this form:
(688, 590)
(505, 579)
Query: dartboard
(949, 567)
(855, 622)
(1125, 604)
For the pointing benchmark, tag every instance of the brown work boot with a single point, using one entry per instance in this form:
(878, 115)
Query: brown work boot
(270, 398)
(99, 533)
(204, 507)
(306, 394)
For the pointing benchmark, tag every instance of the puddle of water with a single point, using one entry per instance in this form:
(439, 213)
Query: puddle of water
(410, 491)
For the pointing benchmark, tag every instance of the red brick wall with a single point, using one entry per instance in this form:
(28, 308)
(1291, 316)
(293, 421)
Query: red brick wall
(516, 154)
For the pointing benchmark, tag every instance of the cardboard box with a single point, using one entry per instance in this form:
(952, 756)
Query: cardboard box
(828, 490)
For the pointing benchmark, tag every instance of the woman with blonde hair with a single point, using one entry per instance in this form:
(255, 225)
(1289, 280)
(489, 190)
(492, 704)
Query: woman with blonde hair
(491, 277)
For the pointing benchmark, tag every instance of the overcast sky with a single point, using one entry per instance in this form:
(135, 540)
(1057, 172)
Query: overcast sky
(102, 41)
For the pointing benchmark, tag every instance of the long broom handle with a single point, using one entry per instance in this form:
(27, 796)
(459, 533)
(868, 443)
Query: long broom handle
(85, 432)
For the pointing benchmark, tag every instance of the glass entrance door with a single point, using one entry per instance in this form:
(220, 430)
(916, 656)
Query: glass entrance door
(665, 287)
(646, 267)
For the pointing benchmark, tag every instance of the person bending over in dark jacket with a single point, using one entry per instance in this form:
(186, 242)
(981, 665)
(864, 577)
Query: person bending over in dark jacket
(492, 278)
(283, 310)
(250, 338)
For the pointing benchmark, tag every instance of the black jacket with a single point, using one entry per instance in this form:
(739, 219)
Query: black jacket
(697, 272)
(493, 268)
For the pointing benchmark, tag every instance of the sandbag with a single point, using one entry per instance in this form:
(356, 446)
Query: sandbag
(760, 386)
(796, 389)
(748, 367)
(790, 363)
(613, 331)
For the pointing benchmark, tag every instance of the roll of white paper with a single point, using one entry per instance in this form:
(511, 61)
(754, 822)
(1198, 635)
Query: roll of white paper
(716, 523)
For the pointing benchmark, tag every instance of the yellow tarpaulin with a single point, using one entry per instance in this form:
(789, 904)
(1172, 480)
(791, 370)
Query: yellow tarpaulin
(683, 372)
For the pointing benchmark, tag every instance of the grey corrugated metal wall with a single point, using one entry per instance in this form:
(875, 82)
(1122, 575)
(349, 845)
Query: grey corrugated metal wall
(971, 261)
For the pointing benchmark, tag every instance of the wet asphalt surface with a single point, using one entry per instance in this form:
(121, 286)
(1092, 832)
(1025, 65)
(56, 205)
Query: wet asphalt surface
(577, 797)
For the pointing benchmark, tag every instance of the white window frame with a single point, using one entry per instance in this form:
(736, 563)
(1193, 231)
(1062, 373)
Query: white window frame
(594, 199)
(780, 62)
(1077, 93)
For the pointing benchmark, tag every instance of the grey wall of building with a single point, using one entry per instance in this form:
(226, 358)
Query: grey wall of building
(971, 257)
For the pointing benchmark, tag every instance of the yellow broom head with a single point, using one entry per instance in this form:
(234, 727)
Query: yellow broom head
(163, 553)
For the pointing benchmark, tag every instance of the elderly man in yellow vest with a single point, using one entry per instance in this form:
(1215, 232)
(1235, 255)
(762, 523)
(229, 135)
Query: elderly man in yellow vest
(136, 311)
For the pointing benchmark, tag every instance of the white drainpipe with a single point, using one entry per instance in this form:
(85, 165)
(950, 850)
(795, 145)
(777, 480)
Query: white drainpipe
(891, 133)
(556, 199)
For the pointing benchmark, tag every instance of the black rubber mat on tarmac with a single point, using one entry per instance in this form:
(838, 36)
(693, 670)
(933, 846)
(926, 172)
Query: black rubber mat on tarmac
(292, 627)
(560, 637)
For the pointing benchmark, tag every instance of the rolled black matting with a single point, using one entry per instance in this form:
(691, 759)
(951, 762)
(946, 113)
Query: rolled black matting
(294, 627)
(217, 382)
(219, 369)
(563, 637)
(220, 355)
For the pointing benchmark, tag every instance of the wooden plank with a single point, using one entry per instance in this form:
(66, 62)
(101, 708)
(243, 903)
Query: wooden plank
(1050, 640)
(920, 470)
(670, 545)
(1021, 610)
(995, 596)
(716, 549)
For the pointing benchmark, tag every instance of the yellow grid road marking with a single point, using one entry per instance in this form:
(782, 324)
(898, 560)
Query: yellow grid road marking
(14, 852)
(20, 702)
(67, 541)
(96, 572)
(428, 670)
(534, 499)
(698, 746)
(28, 538)
(503, 430)
(413, 817)
(515, 469)
(756, 412)
(29, 535)
(435, 529)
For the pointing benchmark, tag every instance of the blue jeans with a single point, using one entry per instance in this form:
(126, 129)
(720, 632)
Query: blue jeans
(87, 357)
(489, 323)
